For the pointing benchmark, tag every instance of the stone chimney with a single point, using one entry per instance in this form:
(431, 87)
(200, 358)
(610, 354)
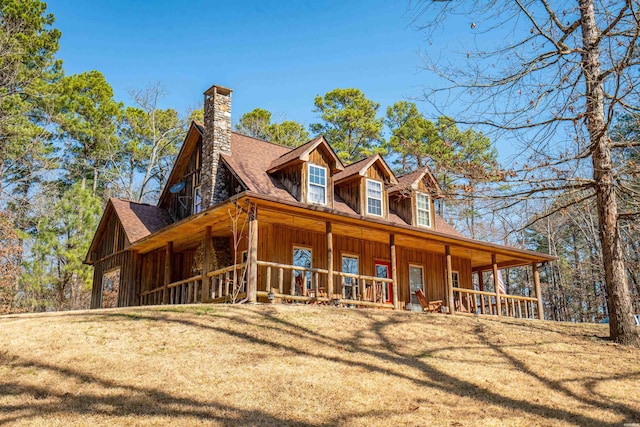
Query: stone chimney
(216, 141)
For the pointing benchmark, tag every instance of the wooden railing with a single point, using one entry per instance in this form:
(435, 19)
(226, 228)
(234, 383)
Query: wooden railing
(305, 284)
(228, 283)
(481, 302)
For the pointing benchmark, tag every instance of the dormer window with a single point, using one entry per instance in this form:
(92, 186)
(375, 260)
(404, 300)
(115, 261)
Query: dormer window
(317, 191)
(423, 210)
(374, 197)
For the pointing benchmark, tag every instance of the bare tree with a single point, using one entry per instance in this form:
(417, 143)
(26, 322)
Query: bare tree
(558, 76)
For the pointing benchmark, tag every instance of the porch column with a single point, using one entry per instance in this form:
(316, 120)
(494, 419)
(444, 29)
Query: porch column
(206, 281)
(168, 258)
(329, 261)
(536, 284)
(394, 272)
(480, 281)
(252, 282)
(496, 287)
(450, 302)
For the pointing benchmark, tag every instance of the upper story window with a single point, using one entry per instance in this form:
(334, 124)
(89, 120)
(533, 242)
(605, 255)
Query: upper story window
(374, 197)
(423, 210)
(317, 191)
(197, 200)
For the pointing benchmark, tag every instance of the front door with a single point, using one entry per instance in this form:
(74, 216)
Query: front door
(416, 281)
(383, 269)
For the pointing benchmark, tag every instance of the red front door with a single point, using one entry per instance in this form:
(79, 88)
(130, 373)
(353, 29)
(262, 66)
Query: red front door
(383, 269)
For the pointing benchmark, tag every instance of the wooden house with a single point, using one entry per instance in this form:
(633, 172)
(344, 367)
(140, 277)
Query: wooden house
(242, 218)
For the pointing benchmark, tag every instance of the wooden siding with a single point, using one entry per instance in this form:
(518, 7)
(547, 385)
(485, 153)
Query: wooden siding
(349, 191)
(403, 207)
(113, 239)
(180, 205)
(291, 179)
(126, 261)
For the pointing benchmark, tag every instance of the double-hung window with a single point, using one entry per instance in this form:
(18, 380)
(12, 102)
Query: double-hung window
(423, 210)
(374, 197)
(317, 189)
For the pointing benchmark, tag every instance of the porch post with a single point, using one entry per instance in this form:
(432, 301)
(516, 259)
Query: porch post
(329, 261)
(480, 281)
(252, 282)
(168, 257)
(394, 271)
(536, 283)
(496, 287)
(206, 281)
(450, 302)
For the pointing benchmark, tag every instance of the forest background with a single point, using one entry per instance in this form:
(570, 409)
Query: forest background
(67, 145)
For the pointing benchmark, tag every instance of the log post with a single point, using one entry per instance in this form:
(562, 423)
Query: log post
(168, 257)
(329, 261)
(536, 284)
(450, 302)
(394, 272)
(206, 280)
(480, 281)
(496, 287)
(252, 283)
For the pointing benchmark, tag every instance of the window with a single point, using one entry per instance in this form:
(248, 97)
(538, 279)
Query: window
(197, 200)
(423, 210)
(416, 281)
(350, 266)
(455, 278)
(317, 192)
(110, 288)
(302, 258)
(374, 197)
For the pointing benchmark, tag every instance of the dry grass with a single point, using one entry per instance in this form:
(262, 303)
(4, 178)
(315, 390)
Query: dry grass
(300, 365)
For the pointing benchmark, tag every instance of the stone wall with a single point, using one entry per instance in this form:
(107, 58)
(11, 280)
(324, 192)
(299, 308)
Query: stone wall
(216, 141)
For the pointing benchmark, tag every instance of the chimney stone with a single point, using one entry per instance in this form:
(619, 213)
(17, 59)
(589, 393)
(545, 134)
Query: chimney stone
(215, 141)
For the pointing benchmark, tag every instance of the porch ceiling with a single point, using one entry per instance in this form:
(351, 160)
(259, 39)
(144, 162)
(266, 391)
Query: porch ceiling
(190, 231)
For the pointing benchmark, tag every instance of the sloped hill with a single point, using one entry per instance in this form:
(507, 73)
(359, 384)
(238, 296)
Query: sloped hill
(302, 365)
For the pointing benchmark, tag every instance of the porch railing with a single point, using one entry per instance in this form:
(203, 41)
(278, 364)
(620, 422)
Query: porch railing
(295, 283)
(482, 302)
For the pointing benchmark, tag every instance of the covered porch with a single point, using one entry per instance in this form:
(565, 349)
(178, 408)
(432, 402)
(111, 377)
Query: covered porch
(279, 252)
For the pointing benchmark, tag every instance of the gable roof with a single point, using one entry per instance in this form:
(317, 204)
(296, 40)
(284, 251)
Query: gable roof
(194, 133)
(410, 180)
(302, 153)
(360, 168)
(138, 220)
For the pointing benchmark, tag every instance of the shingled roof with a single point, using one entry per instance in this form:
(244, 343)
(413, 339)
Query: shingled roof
(139, 219)
(360, 168)
(410, 180)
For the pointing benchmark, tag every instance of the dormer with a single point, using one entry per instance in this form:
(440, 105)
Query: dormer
(413, 198)
(307, 172)
(363, 186)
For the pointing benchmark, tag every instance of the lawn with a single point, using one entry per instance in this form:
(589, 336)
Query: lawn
(308, 365)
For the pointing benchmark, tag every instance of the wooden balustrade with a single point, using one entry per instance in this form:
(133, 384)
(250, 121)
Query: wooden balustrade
(306, 286)
(481, 302)
(229, 283)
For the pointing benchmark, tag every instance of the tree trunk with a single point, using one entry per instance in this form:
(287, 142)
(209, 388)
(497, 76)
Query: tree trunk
(621, 324)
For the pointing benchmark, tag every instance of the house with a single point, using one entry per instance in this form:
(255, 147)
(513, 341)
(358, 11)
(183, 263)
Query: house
(244, 218)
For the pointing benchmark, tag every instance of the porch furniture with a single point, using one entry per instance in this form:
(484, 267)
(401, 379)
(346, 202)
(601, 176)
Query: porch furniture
(428, 306)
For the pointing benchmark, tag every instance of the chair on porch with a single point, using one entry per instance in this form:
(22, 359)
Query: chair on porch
(428, 306)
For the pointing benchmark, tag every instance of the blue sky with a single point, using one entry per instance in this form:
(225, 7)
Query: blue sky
(274, 54)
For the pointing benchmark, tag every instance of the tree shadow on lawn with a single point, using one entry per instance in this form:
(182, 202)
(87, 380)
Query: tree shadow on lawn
(385, 358)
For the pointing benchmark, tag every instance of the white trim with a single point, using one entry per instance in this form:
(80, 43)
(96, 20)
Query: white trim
(428, 211)
(457, 274)
(412, 293)
(309, 184)
(196, 190)
(367, 197)
(308, 273)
